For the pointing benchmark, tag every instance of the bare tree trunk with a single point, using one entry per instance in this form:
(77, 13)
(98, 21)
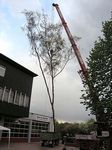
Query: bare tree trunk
(52, 88)
(48, 46)
(53, 113)
(52, 84)
(44, 77)
(52, 104)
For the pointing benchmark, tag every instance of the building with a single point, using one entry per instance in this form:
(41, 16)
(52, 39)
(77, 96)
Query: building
(27, 129)
(15, 94)
(15, 89)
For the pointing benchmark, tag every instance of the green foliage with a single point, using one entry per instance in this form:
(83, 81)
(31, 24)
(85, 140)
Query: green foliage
(46, 40)
(75, 128)
(100, 74)
(49, 46)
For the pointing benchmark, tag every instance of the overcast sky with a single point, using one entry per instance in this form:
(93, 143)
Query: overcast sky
(84, 18)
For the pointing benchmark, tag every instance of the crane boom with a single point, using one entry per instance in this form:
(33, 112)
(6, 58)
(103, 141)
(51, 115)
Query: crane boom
(99, 112)
(74, 46)
(84, 71)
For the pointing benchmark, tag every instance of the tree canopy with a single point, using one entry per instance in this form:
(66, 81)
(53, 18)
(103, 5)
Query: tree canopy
(50, 48)
(76, 128)
(100, 74)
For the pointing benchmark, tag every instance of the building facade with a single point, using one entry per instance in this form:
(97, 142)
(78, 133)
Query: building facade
(15, 94)
(27, 129)
(15, 88)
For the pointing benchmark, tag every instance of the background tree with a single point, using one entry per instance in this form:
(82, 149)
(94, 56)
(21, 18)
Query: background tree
(90, 125)
(100, 75)
(48, 45)
(75, 128)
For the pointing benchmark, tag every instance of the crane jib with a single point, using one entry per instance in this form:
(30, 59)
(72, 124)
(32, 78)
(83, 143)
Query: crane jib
(71, 39)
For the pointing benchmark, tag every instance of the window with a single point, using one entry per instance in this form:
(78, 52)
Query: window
(1, 93)
(26, 101)
(2, 71)
(14, 97)
(17, 98)
(6, 95)
(21, 101)
(11, 97)
(17, 130)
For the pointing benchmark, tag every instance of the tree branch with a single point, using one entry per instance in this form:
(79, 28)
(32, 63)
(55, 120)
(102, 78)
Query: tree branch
(48, 91)
(62, 68)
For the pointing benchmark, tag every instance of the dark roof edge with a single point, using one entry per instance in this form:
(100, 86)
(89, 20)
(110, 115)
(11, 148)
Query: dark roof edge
(40, 114)
(17, 65)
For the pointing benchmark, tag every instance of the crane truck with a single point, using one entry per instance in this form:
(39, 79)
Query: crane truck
(83, 72)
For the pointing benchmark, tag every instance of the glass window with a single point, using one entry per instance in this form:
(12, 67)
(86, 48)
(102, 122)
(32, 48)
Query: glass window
(26, 101)
(17, 130)
(1, 93)
(6, 95)
(21, 101)
(17, 98)
(5, 134)
(2, 71)
(11, 100)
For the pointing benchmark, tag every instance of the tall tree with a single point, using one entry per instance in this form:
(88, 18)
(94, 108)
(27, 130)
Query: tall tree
(100, 75)
(48, 45)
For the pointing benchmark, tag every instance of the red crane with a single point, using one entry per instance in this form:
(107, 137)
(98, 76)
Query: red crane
(84, 71)
(74, 46)
(98, 110)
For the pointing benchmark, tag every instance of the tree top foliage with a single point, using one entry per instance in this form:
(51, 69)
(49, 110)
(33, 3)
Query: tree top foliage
(47, 41)
(100, 73)
(50, 48)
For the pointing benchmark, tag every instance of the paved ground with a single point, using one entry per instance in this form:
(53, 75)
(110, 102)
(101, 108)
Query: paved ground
(32, 146)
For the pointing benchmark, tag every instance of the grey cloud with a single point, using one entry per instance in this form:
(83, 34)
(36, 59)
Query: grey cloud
(84, 18)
